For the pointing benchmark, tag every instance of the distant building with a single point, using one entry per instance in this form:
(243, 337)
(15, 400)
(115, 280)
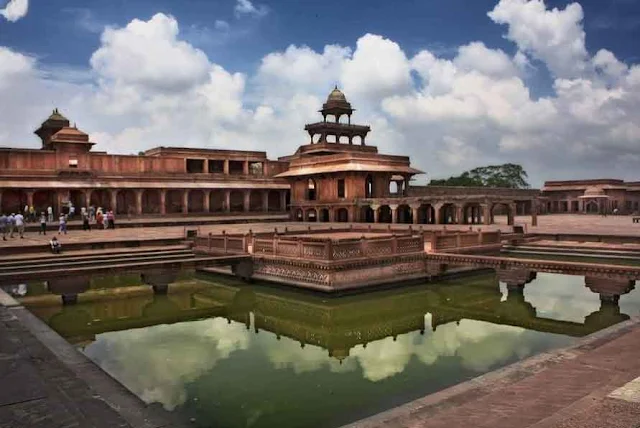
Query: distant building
(591, 196)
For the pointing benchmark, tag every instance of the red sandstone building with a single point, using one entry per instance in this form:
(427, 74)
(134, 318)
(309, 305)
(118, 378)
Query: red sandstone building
(161, 181)
(335, 177)
(591, 196)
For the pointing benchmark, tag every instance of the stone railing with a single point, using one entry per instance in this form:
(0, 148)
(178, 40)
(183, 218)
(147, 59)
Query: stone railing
(226, 244)
(312, 248)
(441, 242)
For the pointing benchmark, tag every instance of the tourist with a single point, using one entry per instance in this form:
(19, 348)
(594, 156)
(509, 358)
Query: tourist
(50, 213)
(72, 211)
(19, 219)
(3, 226)
(111, 220)
(63, 224)
(26, 213)
(43, 224)
(56, 247)
(32, 214)
(100, 219)
(85, 221)
(11, 224)
(615, 211)
(92, 213)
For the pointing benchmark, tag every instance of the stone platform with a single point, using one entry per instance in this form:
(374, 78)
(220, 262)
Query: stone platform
(46, 383)
(593, 384)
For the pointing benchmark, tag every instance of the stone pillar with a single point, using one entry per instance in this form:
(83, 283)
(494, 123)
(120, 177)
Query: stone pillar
(534, 212)
(460, 215)
(351, 214)
(1, 191)
(511, 214)
(163, 201)
(30, 198)
(332, 216)
(114, 200)
(394, 213)
(437, 212)
(87, 197)
(415, 211)
(207, 201)
(265, 168)
(138, 201)
(376, 215)
(185, 201)
(227, 199)
(225, 168)
(247, 201)
(486, 213)
(245, 167)
(265, 201)
(283, 200)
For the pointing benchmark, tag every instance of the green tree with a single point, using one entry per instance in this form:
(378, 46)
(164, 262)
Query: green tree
(508, 175)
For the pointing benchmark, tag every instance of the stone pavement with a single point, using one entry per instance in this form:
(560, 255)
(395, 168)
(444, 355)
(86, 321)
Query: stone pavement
(46, 383)
(580, 223)
(576, 387)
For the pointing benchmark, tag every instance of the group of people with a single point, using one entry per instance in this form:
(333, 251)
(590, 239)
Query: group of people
(11, 224)
(15, 223)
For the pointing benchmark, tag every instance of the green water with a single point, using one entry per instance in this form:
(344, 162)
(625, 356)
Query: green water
(226, 354)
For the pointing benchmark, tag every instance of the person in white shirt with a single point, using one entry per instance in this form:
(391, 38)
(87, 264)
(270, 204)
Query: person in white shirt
(11, 224)
(19, 219)
(50, 214)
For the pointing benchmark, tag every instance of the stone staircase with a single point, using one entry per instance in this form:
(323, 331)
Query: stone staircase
(43, 265)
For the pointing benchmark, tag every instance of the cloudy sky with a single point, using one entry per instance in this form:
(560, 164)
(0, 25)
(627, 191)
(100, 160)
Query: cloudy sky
(553, 85)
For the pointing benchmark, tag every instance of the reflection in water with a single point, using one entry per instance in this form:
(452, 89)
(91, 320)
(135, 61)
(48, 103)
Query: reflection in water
(236, 355)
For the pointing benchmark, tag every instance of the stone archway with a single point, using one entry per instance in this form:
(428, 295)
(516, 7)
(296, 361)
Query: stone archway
(426, 214)
(173, 201)
(502, 209)
(236, 201)
(369, 190)
(217, 201)
(404, 214)
(78, 199)
(448, 214)
(342, 215)
(384, 214)
(101, 198)
(255, 200)
(151, 201)
(324, 215)
(591, 207)
(367, 214)
(311, 215)
(43, 199)
(273, 201)
(125, 202)
(472, 213)
(13, 201)
(196, 201)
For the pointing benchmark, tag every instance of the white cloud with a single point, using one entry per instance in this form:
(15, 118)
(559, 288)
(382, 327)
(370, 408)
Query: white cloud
(167, 358)
(246, 7)
(147, 86)
(555, 36)
(15, 10)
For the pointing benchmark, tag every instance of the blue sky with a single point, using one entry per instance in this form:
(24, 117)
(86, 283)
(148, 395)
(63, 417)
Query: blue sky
(455, 84)
(66, 32)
